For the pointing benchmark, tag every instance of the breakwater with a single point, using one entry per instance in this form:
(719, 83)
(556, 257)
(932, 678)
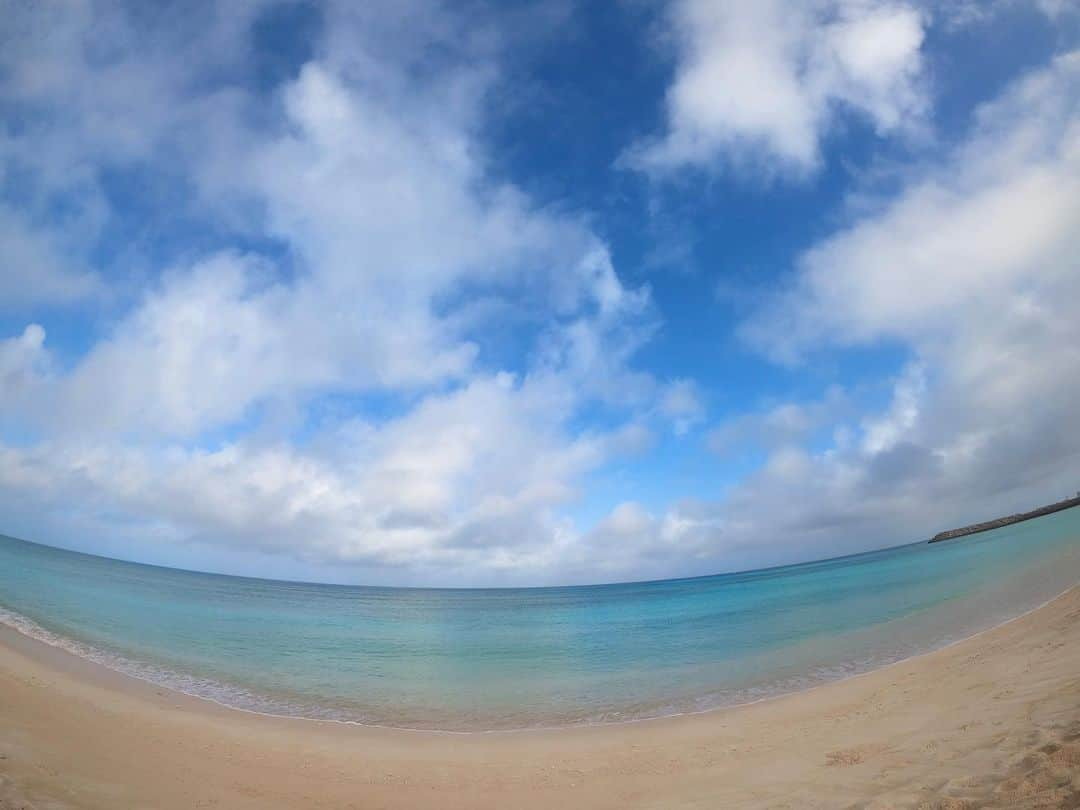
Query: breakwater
(986, 526)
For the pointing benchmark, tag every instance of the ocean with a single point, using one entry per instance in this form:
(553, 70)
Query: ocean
(494, 659)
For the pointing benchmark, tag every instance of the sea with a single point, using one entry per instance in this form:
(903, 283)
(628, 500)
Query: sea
(469, 660)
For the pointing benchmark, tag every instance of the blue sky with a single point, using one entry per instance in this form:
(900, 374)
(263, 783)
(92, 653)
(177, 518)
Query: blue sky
(530, 293)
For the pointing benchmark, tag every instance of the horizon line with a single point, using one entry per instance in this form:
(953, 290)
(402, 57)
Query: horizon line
(611, 583)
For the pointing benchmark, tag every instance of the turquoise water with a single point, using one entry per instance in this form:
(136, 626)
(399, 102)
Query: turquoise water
(494, 659)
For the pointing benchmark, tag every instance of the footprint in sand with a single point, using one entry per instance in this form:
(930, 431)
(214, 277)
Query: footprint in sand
(853, 756)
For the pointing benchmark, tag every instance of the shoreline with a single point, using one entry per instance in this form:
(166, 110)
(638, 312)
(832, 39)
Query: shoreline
(989, 717)
(60, 646)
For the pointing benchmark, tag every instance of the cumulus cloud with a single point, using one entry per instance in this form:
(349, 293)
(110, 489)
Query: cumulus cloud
(972, 268)
(21, 360)
(468, 482)
(989, 232)
(205, 410)
(764, 82)
(301, 350)
(371, 177)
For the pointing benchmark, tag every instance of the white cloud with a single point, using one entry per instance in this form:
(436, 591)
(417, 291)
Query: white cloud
(962, 13)
(764, 81)
(87, 90)
(995, 224)
(973, 269)
(681, 402)
(782, 424)
(883, 432)
(22, 361)
(204, 410)
(373, 179)
(465, 484)
(181, 421)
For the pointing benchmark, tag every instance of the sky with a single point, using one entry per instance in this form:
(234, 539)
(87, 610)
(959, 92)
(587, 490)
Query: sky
(523, 293)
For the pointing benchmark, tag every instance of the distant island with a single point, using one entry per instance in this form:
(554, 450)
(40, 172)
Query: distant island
(975, 528)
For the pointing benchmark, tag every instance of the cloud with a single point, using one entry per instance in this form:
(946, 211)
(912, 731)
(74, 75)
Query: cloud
(782, 424)
(884, 432)
(991, 230)
(963, 13)
(372, 178)
(204, 410)
(972, 269)
(34, 271)
(97, 100)
(327, 327)
(22, 361)
(462, 486)
(681, 403)
(764, 82)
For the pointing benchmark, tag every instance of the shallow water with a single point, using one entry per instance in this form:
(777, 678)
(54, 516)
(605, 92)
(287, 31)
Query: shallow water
(509, 658)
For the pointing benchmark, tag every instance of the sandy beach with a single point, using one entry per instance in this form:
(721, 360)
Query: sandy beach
(993, 721)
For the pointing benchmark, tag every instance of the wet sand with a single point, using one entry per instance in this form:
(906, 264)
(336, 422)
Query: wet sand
(993, 721)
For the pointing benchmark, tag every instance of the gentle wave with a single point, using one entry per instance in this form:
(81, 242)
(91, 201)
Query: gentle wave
(528, 658)
(237, 697)
(193, 686)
